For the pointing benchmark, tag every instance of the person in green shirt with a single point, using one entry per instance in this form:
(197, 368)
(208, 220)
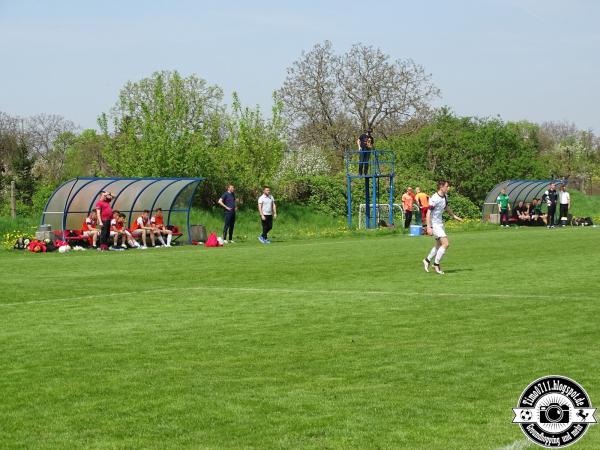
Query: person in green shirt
(537, 217)
(504, 207)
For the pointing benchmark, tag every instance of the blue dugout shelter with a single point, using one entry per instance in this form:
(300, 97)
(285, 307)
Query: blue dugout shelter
(517, 190)
(73, 200)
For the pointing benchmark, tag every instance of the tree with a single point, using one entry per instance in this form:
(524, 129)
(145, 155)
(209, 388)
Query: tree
(44, 130)
(16, 160)
(328, 98)
(158, 122)
(474, 154)
(84, 156)
(167, 126)
(571, 152)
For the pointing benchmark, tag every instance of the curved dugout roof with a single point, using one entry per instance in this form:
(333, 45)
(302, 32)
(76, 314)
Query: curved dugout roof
(73, 200)
(517, 190)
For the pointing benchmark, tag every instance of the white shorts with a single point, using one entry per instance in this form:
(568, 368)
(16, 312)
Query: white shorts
(438, 231)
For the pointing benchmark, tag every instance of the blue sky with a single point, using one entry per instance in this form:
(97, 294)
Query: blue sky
(520, 59)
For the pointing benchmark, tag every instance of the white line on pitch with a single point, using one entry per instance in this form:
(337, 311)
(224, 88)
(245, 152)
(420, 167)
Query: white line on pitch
(517, 445)
(287, 291)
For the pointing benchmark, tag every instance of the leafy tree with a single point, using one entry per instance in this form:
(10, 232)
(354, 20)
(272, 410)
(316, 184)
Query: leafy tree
(473, 153)
(84, 156)
(167, 125)
(570, 152)
(159, 123)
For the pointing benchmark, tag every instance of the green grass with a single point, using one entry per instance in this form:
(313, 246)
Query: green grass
(585, 205)
(319, 344)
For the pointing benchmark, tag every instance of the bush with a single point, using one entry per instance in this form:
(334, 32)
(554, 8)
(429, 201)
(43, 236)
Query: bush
(326, 194)
(463, 207)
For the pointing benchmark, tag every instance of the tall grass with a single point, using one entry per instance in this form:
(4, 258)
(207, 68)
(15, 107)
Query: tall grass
(293, 222)
(585, 205)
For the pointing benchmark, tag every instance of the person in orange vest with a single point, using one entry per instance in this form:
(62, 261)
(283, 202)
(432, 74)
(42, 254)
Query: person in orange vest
(116, 232)
(157, 222)
(408, 199)
(126, 233)
(89, 229)
(422, 200)
(141, 227)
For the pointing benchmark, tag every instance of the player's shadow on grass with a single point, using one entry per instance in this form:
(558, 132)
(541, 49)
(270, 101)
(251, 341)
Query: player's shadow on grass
(457, 270)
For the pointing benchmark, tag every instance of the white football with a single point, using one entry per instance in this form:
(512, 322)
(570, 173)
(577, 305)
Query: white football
(64, 249)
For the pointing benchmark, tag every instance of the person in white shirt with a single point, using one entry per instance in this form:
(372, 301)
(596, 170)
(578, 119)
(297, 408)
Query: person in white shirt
(564, 198)
(438, 203)
(268, 211)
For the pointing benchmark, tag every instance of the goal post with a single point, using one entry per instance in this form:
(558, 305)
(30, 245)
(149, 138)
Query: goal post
(383, 213)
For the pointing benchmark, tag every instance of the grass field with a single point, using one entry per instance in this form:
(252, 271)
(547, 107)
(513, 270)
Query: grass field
(324, 344)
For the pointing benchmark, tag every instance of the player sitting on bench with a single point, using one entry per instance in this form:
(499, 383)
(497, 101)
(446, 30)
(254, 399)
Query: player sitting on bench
(89, 228)
(159, 225)
(141, 227)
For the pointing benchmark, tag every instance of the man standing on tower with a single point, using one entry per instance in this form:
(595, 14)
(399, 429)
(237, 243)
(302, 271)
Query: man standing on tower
(365, 143)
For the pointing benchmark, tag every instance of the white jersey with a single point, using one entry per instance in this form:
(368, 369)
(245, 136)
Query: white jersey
(267, 204)
(437, 205)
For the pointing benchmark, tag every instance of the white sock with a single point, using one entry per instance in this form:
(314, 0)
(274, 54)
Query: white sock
(169, 236)
(431, 254)
(160, 238)
(440, 254)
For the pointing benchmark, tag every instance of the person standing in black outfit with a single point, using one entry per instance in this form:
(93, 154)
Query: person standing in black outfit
(365, 143)
(228, 202)
(551, 198)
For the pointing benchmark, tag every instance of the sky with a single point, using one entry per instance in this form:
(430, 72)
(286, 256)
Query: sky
(518, 59)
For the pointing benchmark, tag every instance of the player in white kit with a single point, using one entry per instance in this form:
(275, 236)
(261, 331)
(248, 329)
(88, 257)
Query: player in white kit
(438, 203)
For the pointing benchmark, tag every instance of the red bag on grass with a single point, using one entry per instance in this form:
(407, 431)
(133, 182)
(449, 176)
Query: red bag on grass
(212, 241)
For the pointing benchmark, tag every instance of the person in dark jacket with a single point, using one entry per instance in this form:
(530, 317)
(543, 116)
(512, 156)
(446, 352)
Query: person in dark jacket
(228, 202)
(551, 199)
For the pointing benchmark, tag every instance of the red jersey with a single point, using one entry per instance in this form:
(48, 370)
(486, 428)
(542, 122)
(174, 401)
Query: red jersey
(116, 225)
(140, 222)
(89, 224)
(158, 221)
(106, 211)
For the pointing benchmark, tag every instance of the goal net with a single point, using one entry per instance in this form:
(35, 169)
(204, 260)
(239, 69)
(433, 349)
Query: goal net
(383, 213)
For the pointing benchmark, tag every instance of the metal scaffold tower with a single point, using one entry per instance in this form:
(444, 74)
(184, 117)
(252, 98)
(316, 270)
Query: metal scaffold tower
(374, 167)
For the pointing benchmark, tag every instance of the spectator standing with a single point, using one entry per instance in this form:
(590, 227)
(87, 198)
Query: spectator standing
(365, 143)
(503, 202)
(408, 199)
(564, 199)
(228, 202)
(104, 215)
(268, 211)
(551, 198)
(422, 200)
